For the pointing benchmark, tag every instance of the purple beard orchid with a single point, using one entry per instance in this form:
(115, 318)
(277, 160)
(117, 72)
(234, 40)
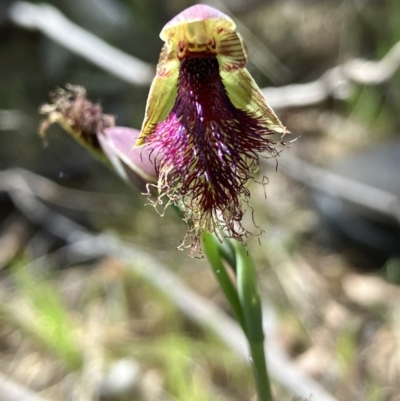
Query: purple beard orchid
(205, 126)
(207, 121)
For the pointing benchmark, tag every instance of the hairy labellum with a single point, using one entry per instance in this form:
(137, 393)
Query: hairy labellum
(208, 122)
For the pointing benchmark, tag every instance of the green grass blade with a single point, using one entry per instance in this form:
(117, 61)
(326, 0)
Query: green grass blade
(252, 310)
(211, 249)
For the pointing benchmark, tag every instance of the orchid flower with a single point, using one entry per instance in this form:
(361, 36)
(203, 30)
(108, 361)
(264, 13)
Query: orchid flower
(97, 132)
(208, 122)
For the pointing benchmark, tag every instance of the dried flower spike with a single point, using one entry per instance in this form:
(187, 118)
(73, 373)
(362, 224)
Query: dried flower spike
(78, 116)
(208, 121)
(87, 124)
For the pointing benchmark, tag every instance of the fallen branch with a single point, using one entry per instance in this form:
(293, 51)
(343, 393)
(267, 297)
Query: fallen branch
(346, 189)
(70, 198)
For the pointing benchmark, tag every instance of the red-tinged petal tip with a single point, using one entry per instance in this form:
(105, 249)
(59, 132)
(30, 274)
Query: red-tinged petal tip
(198, 12)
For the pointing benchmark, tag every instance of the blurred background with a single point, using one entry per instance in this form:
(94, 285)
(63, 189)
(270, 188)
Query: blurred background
(82, 323)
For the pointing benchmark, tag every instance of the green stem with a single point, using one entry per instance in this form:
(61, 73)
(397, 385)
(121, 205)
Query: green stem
(227, 252)
(251, 306)
(260, 371)
(212, 250)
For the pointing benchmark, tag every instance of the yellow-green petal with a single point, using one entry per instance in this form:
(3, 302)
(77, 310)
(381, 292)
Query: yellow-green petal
(245, 95)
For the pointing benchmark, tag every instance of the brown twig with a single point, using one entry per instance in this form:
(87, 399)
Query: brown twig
(347, 189)
(70, 198)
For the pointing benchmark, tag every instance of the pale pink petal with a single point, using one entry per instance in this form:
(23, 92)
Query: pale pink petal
(133, 164)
